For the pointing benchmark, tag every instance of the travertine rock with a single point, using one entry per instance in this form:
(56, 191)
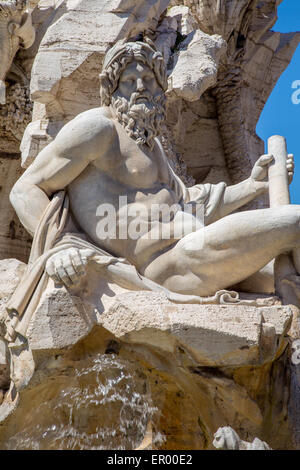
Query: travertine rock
(186, 23)
(196, 134)
(71, 51)
(166, 36)
(14, 240)
(63, 319)
(213, 335)
(196, 65)
(11, 272)
(2, 353)
(37, 136)
(15, 30)
(200, 362)
(15, 115)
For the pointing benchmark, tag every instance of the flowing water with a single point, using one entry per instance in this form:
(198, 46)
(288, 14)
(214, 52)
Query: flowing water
(102, 404)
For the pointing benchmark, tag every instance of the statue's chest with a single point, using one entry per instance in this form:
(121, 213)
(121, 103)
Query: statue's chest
(137, 167)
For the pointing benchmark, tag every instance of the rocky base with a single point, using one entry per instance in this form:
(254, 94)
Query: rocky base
(146, 369)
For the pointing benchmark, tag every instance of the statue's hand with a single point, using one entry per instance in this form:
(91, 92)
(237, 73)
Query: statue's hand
(259, 173)
(290, 166)
(68, 266)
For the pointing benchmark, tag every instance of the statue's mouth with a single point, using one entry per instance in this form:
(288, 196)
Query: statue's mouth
(142, 98)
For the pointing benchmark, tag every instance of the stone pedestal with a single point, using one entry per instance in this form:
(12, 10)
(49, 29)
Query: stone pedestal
(175, 372)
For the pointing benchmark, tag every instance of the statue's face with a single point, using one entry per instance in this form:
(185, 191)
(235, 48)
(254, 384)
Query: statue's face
(219, 439)
(138, 103)
(138, 78)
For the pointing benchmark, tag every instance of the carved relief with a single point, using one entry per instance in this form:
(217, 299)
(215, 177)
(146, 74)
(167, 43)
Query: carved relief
(16, 31)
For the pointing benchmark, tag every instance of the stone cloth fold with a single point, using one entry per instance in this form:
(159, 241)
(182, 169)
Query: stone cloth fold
(51, 236)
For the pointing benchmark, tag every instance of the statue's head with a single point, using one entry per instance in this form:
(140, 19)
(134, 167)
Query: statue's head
(226, 438)
(133, 81)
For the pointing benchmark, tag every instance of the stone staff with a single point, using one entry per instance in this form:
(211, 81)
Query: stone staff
(278, 176)
(285, 265)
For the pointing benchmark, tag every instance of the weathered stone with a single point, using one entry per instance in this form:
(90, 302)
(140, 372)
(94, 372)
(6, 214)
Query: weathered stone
(15, 30)
(158, 347)
(195, 130)
(15, 115)
(63, 317)
(83, 31)
(196, 65)
(11, 272)
(37, 136)
(166, 37)
(185, 20)
(213, 335)
(14, 240)
(3, 361)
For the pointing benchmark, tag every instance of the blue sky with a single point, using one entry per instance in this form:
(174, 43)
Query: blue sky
(280, 115)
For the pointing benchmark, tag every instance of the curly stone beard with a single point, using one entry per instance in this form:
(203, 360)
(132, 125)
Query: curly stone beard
(141, 121)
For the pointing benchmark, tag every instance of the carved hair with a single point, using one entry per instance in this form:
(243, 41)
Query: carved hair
(142, 122)
(123, 54)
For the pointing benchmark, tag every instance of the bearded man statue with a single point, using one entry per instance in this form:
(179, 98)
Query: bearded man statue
(110, 160)
(142, 115)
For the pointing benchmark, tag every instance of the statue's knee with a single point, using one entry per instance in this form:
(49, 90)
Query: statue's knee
(288, 213)
(294, 211)
(288, 217)
(191, 245)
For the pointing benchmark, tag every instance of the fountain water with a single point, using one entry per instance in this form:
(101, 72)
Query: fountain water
(103, 403)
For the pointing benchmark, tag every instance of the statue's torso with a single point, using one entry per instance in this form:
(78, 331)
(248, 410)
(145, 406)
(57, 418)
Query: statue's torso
(126, 176)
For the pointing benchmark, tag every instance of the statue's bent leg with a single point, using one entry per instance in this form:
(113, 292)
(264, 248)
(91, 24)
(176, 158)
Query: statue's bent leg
(261, 282)
(227, 251)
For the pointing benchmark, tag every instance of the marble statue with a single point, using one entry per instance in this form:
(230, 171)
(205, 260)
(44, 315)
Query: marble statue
(16, 31)
(227, 439)
(112, 157)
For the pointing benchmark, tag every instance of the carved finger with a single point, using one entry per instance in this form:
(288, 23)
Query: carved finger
(62, 274)
(86, 255)
(265, 159)
(69, 268)
(77, 262)
(87, 252)
(50, 269)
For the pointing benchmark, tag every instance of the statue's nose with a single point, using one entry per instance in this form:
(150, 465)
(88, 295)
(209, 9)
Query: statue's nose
(140, 86)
